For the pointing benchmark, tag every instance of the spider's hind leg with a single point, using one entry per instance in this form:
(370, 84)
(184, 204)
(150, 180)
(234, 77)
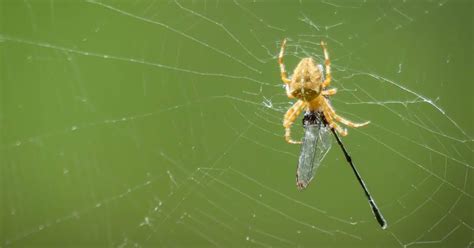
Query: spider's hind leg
(327, 64)
(329, 92)
(284, 76)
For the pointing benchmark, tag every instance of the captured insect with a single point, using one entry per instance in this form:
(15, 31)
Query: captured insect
(308, 84)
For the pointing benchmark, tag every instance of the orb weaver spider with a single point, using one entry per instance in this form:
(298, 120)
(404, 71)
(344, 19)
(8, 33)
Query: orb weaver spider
(309, 86)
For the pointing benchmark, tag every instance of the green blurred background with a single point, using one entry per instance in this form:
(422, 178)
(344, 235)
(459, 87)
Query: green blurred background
(158, 124)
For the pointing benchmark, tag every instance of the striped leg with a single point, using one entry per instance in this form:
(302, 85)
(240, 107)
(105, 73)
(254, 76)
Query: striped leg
(290, 118)
(284, 76)
(327, 63)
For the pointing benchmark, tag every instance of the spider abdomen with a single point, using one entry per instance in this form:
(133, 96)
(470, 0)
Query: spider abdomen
(306, 83)
(306, 94)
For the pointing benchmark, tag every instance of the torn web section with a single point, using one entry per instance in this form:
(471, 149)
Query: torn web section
(316, 144)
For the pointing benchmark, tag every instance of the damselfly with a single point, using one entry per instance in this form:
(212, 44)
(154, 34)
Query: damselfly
(316, 144)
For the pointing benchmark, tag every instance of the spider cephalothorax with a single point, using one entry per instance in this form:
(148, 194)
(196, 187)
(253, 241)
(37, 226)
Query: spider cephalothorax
(309, 85)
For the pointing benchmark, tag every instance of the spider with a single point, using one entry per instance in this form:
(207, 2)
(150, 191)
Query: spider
(309, 86)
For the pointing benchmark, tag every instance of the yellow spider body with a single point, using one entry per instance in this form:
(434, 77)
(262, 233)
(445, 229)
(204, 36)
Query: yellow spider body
(308, 85)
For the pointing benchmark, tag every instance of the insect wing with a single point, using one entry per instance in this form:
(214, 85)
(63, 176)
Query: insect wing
(316, 144)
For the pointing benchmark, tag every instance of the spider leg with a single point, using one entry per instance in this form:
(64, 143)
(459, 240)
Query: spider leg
(342, 120)
(329, 92)
(284, 76)
(333, 124)
(290, 118)
(348, 122)
(327, 63)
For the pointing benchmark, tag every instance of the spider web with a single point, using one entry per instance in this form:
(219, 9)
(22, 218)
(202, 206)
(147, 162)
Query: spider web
(153, 123)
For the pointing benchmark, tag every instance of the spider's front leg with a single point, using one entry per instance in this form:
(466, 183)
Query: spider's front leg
(343, 120)
(290, 118)
(333, 124)
(284, 76)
